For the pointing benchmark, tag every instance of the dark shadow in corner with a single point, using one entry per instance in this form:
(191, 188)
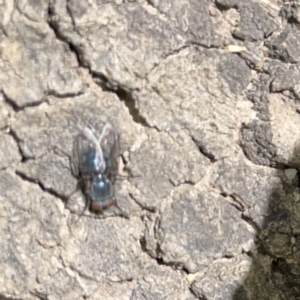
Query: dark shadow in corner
(275, 270)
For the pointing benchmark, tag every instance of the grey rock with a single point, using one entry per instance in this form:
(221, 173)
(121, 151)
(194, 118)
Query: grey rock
(241, 182)
(286, 45)
(52, 172)
(290, 174)
(226, 4)
(291, 12)
(287, 80)
(255, 24)
(254, 55)
(165, 165)
(260, 140)
(9, 152)
(33, 10)
(189, 231)
(153, 285)
(6, 113)
(115, 251)
(38, 219)
(257, 94)
(261, 283)
(101, 35)
(234, 72)
(202, 112)
(257, 143)
(222, 278)
(200, 26)
(32, 66)
(206, 208)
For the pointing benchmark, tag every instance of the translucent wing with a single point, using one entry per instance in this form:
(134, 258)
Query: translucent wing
(110, 144)
(87, 158)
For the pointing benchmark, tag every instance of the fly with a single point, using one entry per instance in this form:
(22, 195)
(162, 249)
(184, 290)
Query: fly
(95, 164)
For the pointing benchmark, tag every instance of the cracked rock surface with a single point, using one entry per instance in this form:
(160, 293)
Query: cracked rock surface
(205, 96)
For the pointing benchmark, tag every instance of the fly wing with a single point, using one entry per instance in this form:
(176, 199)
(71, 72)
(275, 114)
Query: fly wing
(75, 157)
(110, 144)
(87, 157)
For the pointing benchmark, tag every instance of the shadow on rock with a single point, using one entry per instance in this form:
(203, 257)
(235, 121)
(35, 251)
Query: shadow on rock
(275, 269)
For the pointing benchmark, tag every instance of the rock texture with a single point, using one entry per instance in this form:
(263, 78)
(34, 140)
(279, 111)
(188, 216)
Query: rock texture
(205, 97)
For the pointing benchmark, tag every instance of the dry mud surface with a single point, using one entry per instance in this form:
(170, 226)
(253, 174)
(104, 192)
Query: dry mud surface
(210, 133)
